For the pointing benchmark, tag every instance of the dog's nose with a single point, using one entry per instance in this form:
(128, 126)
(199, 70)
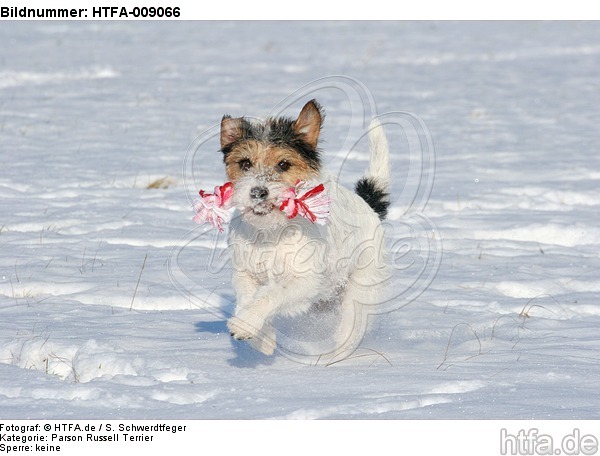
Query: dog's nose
(259, 193)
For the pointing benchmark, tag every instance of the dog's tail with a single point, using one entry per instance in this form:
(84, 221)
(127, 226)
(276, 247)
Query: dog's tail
(374, 187)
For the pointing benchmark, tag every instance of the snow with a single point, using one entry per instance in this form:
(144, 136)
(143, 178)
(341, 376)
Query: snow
(102, 279)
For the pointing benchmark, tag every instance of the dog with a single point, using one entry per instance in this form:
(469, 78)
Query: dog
(283, 267)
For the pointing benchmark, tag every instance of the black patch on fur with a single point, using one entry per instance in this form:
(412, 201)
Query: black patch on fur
(278, 132)
(368, 190)
(281, 133)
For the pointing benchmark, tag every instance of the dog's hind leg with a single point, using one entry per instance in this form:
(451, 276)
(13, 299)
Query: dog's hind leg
(365, 291)
(352, 323)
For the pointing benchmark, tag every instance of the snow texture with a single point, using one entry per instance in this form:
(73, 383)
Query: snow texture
(96, 123)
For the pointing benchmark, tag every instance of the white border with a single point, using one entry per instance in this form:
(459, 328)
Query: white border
(464, 438)
(365, 10)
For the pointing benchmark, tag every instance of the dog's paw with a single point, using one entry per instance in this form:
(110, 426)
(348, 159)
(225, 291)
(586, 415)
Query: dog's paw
(264, 342)
(240, 330)
(262, 339)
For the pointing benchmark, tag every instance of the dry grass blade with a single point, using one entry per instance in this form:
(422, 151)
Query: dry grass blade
(450, 341)
(138, 281)
(161, 183)
(361, 355)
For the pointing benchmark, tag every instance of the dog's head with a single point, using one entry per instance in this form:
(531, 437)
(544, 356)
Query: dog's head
(264, 159)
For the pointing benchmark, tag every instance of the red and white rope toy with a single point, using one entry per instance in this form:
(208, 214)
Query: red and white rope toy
(216, 208)
(313, 204)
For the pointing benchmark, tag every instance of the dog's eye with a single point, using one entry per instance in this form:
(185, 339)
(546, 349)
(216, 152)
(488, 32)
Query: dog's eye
(245, 164)
(284, 165)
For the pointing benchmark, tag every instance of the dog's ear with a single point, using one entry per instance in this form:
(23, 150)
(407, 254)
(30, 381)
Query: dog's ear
(231, 130)
(308, 124)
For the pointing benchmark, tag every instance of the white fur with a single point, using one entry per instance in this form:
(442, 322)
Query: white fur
(379, 167)
(283, 267)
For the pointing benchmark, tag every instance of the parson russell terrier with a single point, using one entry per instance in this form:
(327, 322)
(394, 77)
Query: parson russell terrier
(332, 256)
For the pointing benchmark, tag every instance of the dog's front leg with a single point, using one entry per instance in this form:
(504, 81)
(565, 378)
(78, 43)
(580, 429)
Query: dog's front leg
(246, 288)
(252, 317)
(250, 322)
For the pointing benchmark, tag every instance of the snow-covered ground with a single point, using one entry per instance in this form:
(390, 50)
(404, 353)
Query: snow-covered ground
(101, 277)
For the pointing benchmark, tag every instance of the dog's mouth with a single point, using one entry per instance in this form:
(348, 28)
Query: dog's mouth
(262, 209)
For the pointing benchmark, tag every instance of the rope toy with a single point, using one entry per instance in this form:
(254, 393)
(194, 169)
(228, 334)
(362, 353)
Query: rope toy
(216, 208)
(312, 205)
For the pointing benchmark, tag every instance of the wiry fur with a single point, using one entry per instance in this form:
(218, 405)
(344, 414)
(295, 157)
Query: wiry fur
(374, 187)
(283, 267)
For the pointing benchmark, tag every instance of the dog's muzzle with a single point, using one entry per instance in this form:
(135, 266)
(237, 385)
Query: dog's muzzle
(259, 195)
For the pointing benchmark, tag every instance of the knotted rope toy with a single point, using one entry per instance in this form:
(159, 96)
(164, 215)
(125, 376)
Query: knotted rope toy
(312, 205)
(216, 208)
